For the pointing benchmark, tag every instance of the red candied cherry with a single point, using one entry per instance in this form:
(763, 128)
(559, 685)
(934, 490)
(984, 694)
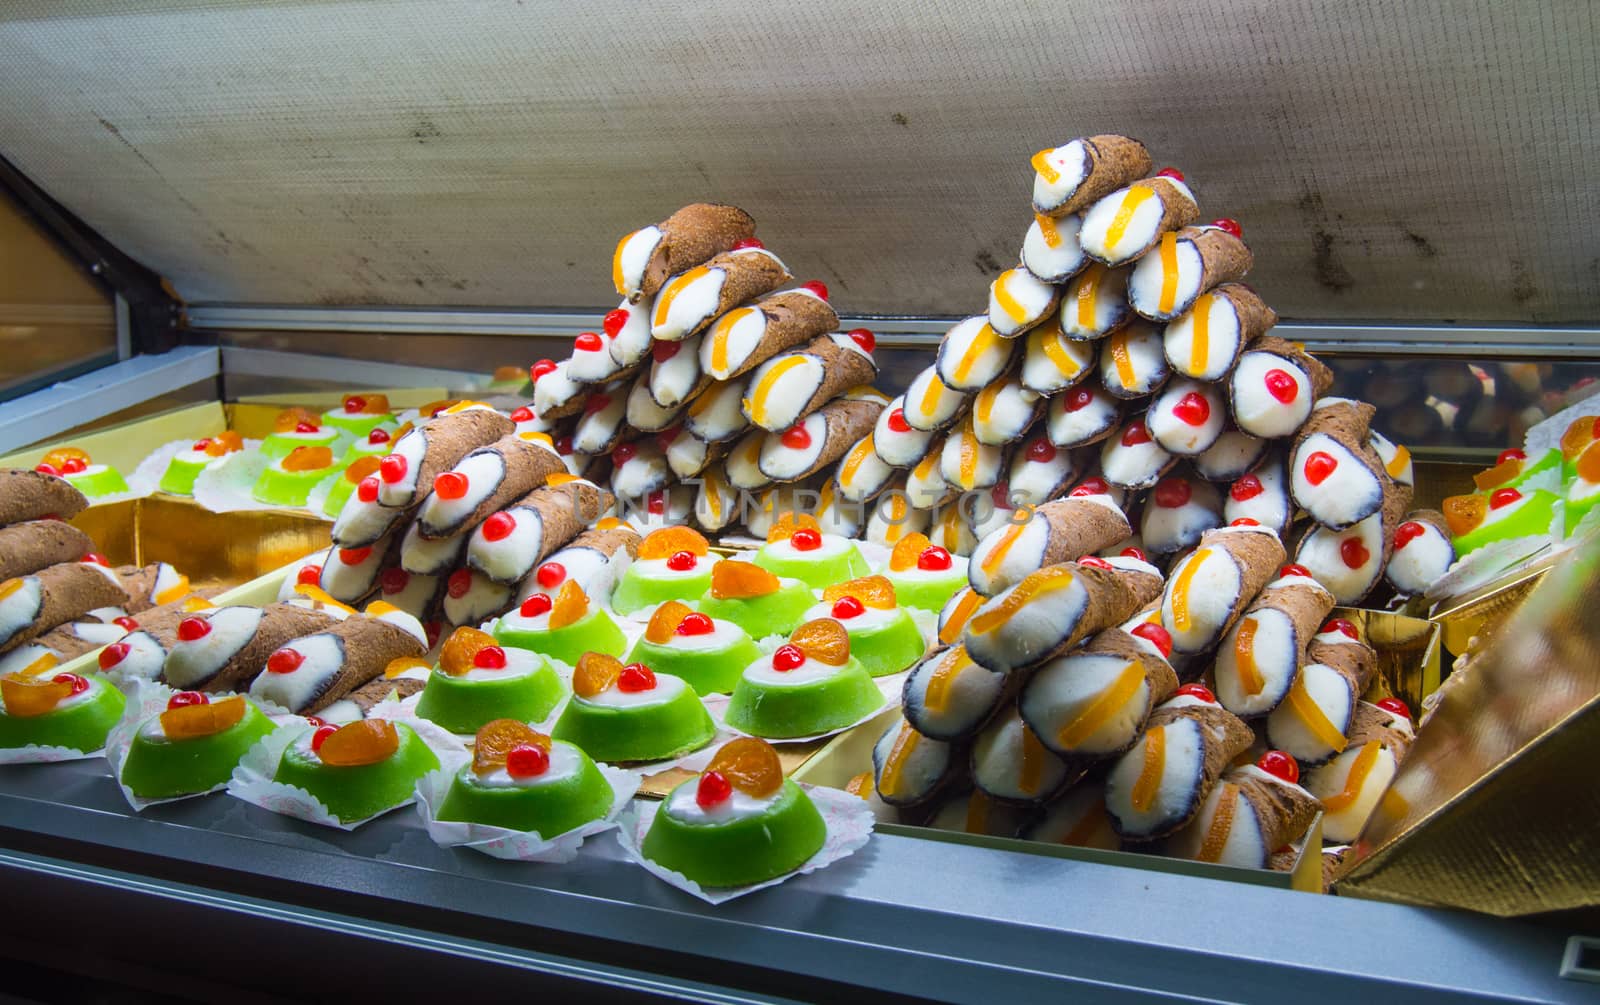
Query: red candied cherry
(787, 657)
(712, 790)
(662, 351)
(113, 654)
(1193, 409)
(73, 466)
(378, 436)
(193, 629)
(47, 469)
(458, 584)
(285, 661)
(796, 437)
(199, 446)
(95, 558)
(682, 561)
(805, 539)
(321, 736)
(393, 468)
(1511, 455)
(1500, 498)
(1041, 451)
(864, 338)
(1172, 493)
(1408, 532)
(1246, 488)
(499, 526)
(309, 575)
(817, 287)
(1319, 466)
(522, 414)
(897, 421)
(354, 556)
(126, 623)
(1170, 172)
(1136, 434)
(394, 579)
(307, 427)
(934, 559)
(1344, 626)
(1245, 521)
(526, 760)
(749, 242)
(367, 490)
(563, 445)
(596, 403)
(588, 342)
(1096, 562)
(1294, 570)
(183, 699)
(1395, 705)
(536, 605)
(1198, 691)
(624, 453)
(355, 404)
(1354, 553)
(846, 608)
(1230, 225)
(1134, 553)
(1078, 399)
(541, 368)
(656, 502)
(1156, 636)
(551, 575)
(451, 485)
(489, 658)
(1281, 385)
(615, 321)
(636, 677)
(666, 437)
(1001, 495)
(695, 624)
(1280, 765)
(1095, 486)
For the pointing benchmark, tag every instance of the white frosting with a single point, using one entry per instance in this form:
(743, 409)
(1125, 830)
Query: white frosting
(1348, 493)
(1034, 482)
(1041, 373)
(1070, 428)
(1276, 654)
(833, 546)
(1212, 596)
(981, 365)
(1177, 435)
(743, 463)
(787, 394)
(1322, 552)
(1149, 275)
(739, 332)
(763, 674)
(780, 462)
(632, 340)
(642, 473)
(985, 469)
(483, 598)
(520, 663)
(1108, 303)
(1270, 508)
(682, 805)
(1255, 409)
(723, 635)
(485, 469)
(591, 366)
(997, 762)
(1036, 628)
(687, 454)
(1166, 530)
(1134, 466)
(694, 302)
(1032, 297)
(429, 557)
(870, 619)
(555, 389)
(1416, 565)
(929, 412)
(1222, 340)
(98, 633)
(1071, 164)
(361, 523)
(1002, 412)
(511, 557)
(566, 762)
(956, 573)
(1053, 264)
(921, 767)
(413, 447)
(1233, 454)
(867, 472)
(718, 414)
(18, 610)
(1243, 845)
(1146, 359)
(642, 412)
(672, 379)
(596, 429)
(1329, 780)
(667, 688)
(1328, 691)
(298, 689)
(1065, 687)
(348, 583)
(633, 257)
(1181, 766)
(191, 664)
(1141, 231)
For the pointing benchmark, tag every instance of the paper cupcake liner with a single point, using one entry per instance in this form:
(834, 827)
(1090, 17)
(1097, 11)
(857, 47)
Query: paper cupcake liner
(848, 819)
(154, 465)
(36, 754)
(512, 845)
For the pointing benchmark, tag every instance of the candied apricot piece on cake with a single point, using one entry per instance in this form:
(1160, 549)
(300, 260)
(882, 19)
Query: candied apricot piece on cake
(750, 765)
(61, 455)
(595, 672)
(365, 741)
(187, 722)
(570, 605)
(289, 418)
(907, 550)
(788, 522)
(1463, 514)
(872, 591)
(664, 622)
(26, 697)
(308, 459)
(670, 540)
(740, 580)
(461, 649)
(823, 640)
(500, 737)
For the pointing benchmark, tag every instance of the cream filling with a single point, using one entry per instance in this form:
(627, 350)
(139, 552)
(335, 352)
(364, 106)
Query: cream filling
(997, 763)
(1141, 230)
(686, 455)
(483, 598)
(1034, 482)
(1071, 164)
(1270, 507)
(972, 690)
(1222, 339)
(425, 556)
(1387, 451)
(1147, 359)
(682, 805)
(1276, 655)
(657, 570)
(925, 485)
(1068, 428)
(956, 347)
(1322, 552)
(632, 340)
(519, 663)
(884, 528)
(1347, 494)
(694, 301)
(593, 570)
(413, 447)
(739, 332)
(19, 609)
(1149, 277)
(781, 462)
(415, 596)
(191, 664)
(985, 469)
(1027, 292)
(775, 402)
(672, 379)
(643, 413)
(723, 635)
(1242, 847)
(633, 257)
(1329, 780)
(1031, 632)
(1177, 435)
(1233, 454)
(718, 414)
(1329, 692)
(928, 412)
(1007, 416)
(1418, 564)
(1135, 466)
(405, 621)
(644, 472)
(145, 658)
(596, 430)
(1211, 596)
(667, 688)
(1181, 771)
(1169, 529)
(1041, 372)
(299, 689)
(361, 522)
(921, 767)
(1053, 264)
(24, 657)
(566, 762)
(1108, 303)
(743, 463)
(512, 556)
(867, 473)
(98, 633)
(555, 389)
(1021, 558)
(1063, 690)
(762, 673)
(347, 583)
(1255, 409)
(592, 365)
(832, 547)
(485, 470)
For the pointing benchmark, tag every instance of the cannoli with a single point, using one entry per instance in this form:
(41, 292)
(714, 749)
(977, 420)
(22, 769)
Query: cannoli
(592, 361)
(1206, 340)
(743, 463)
(909, 768)
(31, 495)
(34, 604)
(690, 300)
(1040, 471)
(675, 376)
(1395, 457)
(429, 450)
(1351, 785)
(1052, 363)
(641, 411)
(555, 394)
(949, 697)
(601, 426)
(987, 513)
(818, 440)
(486, 480)
(639, 468)
(142, 652)
(406, 682)
(507, 545)
(1077, 819)
(662, 508)
(595, 560)
(1333, 474)
(968, 463)
(1050, 249)
(893, 517)
(36, 544)
(1231, 456)
(1010, 764)
(898, 443)
(1058, 532)
(1094, 303)
(1018, 300)
(1262, 496)
(1079, 173)
(628, 333)
(423, 556)
(1083, 415)
(792, 385)
(1160, 783)
(1256, 810)
(1132, 361)
(1141, 578)
(1047, 613)
(363, 519)
(954, 615)
(1350, 562)
(222, 649)
(1187, 263)
(1003, 411)
(970, 355)
(1093, 702)
(1179, 510)
(862, 474)
(1422, 552)
(718, 415)
(1313, 720)
(973, 811)
(310, 673)
(1187, 417)
(746, 337)
(471, 598)
(948, 528)
(1209, 588)
(148, 587)
(925, 486)
(930, 404)
(838, 517)
(687, 454)
(698, 232)
(716, 504)
(1132, 458)
(1260, 656)
(416, 595)
(349, 574)
(1129, 222)
(1273, 386)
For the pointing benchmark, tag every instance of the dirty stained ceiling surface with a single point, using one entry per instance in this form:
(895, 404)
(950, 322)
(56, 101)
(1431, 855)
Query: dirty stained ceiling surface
(1428, 160)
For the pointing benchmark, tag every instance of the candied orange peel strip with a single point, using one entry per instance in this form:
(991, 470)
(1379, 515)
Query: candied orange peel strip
(907, 551)
(823, 640)
(361, 468)
(571, 604)
(498, 738)
(456, 657)
(561, 478)
(788, 522)
(321, 597)
(595, 672)
(734, 580)
(872, 591)
(365, 741)
(750, 765)
(1463, 514)
(26, 697)
(399, 666)
(664, 622)
(188, 722)
(670, 540)
(308, 459)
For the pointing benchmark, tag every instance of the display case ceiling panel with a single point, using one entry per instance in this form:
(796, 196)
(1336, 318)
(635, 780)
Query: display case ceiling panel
(1419, 160)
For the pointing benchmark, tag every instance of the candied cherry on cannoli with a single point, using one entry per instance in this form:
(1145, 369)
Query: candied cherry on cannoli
(308, 674)
(820, 439)
(1132, 459)
(1040, 471)
(1187, 417)
(895, 440)
(1178, 511)
(1422, 552)
(485, 480)
(1071, 177)
(1273, 386)
(408, 472)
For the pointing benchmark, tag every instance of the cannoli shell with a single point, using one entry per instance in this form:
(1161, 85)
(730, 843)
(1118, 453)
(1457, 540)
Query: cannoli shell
(1177, 212)
(1224, 736)
(32, 495)
(1256, 319)
(848, 420)
(1258, 557)
(67, 592)
(1321, 376)
(1080, 527)
(140, 583)
(842, 369)
(607, 541)
(65, 643)
(793, 318)
(1109, 603)
(1114, 161)
(746, 275)
(25, 548)
(452, 437)
(1282, 811)
(280, 624)
(381, 688)
(1305, 606)
(1160, 678)
(1223, 257)
(564, 510)
(527, 464)
(693, 236)
(1355, 662)
(370, 645)
(162, 622)
(1372, 723)
(1144, 586)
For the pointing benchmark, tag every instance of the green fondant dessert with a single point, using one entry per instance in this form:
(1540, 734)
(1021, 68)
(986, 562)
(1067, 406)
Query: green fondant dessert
(358, 770)
(563, 628)
(193, 746)
(1480, 518)
(477, 681)
(755, 599)
(925, 575)
(630, 713)
(883, 637)
(522, 780)
(808, 686)
(296, 427)
(288, 481)
(707, 653)
(674, 563)
(93, 480)
(797, 549)
(186, 465)
(359, 414)
(63, 710)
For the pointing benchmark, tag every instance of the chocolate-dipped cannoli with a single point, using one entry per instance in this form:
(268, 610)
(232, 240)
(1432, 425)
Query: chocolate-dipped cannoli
(675, 377)
(641, 410)
(718, 415)
(1422, 551)
(1132, 361)
(973, 811)
(309, 673)
(34, 604)
(1018, 300)
(1249, 816)
(819, 439)
(955, 614)
(690, 300)
(1350, 562)
(1083, 171)
(792, 385)
(1010, 764)
(1003, 411)
(1159, 785)
(1058, 532)
(1313, 720)
(471, 598)
(743, 462)
(507, 545)
(948, 529)
(1351, 785)
(1094, 303)
(595, 560)
(433, 448)
(1273, 386)
(1052, 363)
(688, 454)
(1180, 509)
(416, 595)
(1039, 471)
(948, 697)
(1262, 495)
(555, 394)
(1209, 588)
(222, 649)
(601, 427)
(1260, 656)
(716, 504)
(349, 574)
(364, 518)
(1077, 819)
(1204, 341)
(1333, 474)
(1047, 613)
(419, 555)
(1094, 701)
(1050, 249)
(930, 405)
(862, 474)
(37, 544)
(639, 467)
(1395, 457)
(486, 480)
(592, 361)
(909, 768)
(893, 516)
(897, 442)
(970, 355)
(33, 495)
(1187, 417)
(1132, 458)
(628, 334)
(1083, 415)
(967, 463)
(1129, 222)
(924, 484)
(1184, 265)
(746, 337)
(695, 234)
(1231, 456)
